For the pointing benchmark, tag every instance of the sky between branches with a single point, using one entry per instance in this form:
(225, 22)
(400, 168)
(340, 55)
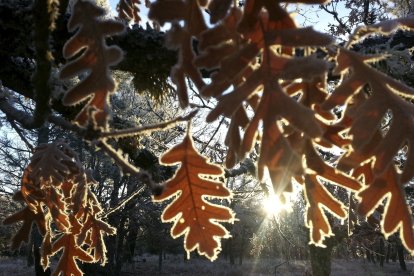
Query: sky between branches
(308, 15)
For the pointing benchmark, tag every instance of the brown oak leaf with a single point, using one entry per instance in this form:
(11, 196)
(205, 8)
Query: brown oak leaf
(94, 57)
(193, 216)
(28, 217)
(397, 215)
(71, 252)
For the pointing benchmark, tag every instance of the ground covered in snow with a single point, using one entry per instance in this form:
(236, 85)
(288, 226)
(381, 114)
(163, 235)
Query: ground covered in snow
(175, 265)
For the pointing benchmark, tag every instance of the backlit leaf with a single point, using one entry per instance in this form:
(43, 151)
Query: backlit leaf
(397, 215)
(94, 58)
(192, 214)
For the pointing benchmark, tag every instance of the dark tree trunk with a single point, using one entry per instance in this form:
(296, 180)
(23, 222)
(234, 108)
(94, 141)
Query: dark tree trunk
(320, 260)
(119, 259)
(30, 260)
(160, 260)
(231, 250)
(94, 269)
(381, 252)
(229, 246)
(275, 251)
(321, 257)
(366, 18)
(131, 241)
(110, 243)
(42, 137)
(400, 251)
(37, 243)
(115, 220)
(370, 256)
(242, 244)
(394, 255)
(387, 257)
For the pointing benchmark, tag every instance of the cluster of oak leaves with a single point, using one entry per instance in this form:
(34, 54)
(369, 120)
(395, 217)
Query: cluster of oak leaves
(277, 97)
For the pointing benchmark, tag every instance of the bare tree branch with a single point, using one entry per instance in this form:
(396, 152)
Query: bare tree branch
(21, 135)
(336, 17)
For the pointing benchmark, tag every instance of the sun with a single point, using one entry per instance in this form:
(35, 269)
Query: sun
(273, 206)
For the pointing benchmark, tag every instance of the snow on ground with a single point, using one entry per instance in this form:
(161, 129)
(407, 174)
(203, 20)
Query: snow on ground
(14, 267)
(175, 265)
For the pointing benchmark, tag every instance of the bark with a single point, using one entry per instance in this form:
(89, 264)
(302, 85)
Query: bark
(394, 256)
(131, 242)
(320, 260)
(230, 249)
(37, 243)
(381, 252)
(229, 244)
(119, 258)
(366, 12)
(160, 260)
(400, 251)
(111, 241)
(387, 256)
(321, 257)
(370, 256)
(42, 137)
(242, 245)
(29, 259)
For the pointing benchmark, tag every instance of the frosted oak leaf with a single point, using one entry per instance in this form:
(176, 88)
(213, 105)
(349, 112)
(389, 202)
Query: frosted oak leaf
(193, 216)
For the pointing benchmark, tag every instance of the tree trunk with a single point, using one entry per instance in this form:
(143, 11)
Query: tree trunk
(381, 252)
(37, 243)
(370, 256)
(160, 260)
(119, 259)
(366, 13)
(387, 257)
(115, 220)
(411, 7)
(230, 250)
(400, 251)
(242, 242)
(131, 242)
(42, 137)
(320, 260)
(229, 246)
(29, 259)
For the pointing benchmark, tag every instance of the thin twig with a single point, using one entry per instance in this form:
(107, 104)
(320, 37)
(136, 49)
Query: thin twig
(22, 137)
(336, 17)
(139, 130)
(212, 136)
(125, 165)
(123, 202)
(281, 233)
(370, 250)
(203, 105)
